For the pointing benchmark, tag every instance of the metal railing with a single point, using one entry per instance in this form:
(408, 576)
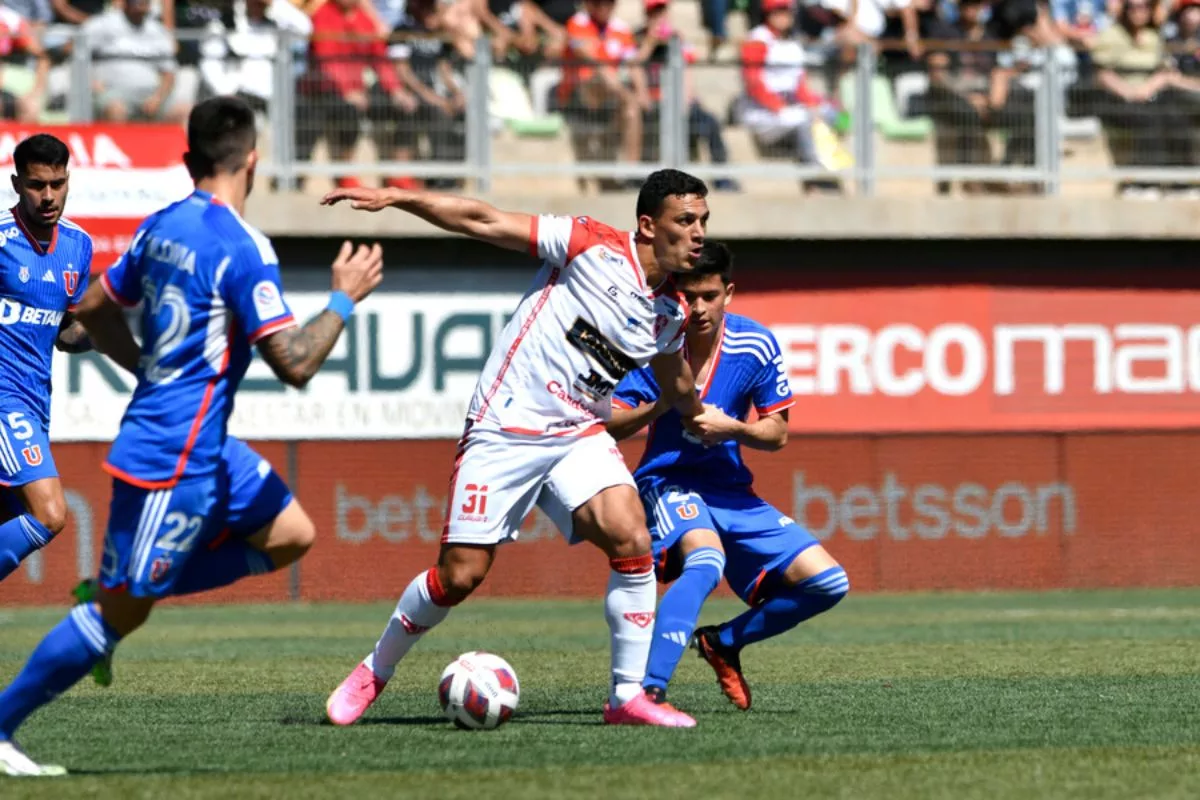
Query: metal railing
(564, 133)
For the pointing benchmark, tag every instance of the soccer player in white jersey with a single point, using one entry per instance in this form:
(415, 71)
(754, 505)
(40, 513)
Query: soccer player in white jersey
(603, 304)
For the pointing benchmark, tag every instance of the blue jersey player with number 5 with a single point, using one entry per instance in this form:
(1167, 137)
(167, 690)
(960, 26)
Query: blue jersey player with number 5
(44, 264)
(210, 290)
(705, 519)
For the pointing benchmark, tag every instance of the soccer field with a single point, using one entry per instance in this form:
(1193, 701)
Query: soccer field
(1081, 694)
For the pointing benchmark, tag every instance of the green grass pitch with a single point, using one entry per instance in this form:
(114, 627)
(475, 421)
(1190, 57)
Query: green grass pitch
(1081, 694)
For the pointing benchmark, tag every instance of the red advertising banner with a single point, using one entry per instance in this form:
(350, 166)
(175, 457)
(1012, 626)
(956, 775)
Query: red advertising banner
(980, 358)
(998, 511)
(120, 174)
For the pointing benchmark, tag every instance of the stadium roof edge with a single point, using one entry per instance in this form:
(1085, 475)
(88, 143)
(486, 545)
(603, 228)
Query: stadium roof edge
(739, 216)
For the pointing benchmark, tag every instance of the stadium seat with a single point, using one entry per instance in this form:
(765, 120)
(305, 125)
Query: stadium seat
(883, 105)
(510, 101)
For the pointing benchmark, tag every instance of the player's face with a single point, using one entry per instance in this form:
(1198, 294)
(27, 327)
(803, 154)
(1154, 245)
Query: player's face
(706, 297)
(678, 232)
(43, 193)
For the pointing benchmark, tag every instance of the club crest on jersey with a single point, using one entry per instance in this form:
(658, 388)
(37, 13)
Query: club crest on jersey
(71, 279)
(33, 454)
(23, 274)
(159, 568)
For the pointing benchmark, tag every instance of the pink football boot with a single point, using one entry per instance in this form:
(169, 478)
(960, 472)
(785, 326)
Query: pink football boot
(354, 696)
(641, 710)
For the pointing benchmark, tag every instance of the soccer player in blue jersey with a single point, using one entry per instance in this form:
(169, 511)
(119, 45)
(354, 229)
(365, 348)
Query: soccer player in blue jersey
(210, 290)
(705, 519)
(44, 263)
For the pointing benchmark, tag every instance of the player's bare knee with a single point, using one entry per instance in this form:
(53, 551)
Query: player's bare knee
(52, 513)
(461, 569)
(123, 612)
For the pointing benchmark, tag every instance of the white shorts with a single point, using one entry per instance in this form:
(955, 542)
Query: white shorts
(499, 477)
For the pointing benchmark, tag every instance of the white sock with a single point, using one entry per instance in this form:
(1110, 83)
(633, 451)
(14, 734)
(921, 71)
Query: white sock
(629, 609)
(415, 613)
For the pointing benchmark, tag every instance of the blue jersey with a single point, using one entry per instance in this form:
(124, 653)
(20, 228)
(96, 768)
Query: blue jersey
(39, 282)
(746, 372)
(210, 286)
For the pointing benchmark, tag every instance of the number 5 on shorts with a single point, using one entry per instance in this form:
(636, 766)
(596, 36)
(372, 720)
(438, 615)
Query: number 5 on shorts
(22, 431)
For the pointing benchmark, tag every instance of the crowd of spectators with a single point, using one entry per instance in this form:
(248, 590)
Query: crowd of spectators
(395, 69)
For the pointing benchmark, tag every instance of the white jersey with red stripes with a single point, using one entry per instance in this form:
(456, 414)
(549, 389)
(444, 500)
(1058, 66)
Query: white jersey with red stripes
(588, 320)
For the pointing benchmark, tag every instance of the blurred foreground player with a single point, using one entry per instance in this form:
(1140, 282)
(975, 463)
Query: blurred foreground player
(602, 305)
(210, 286)
(705, 519)
(45, 260)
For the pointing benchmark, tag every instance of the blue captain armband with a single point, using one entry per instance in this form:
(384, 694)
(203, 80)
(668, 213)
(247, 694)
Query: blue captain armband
(341, 304)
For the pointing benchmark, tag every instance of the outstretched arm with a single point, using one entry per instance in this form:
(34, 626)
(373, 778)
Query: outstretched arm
(508, 229)
(104, 324)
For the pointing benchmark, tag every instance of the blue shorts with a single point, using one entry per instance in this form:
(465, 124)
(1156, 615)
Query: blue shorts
(257, 494)
(760, 541)
(24, 448)
(153, 533)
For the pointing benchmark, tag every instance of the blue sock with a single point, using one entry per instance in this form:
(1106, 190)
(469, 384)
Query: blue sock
(228, 563)
(786, 609)
(67, 653)
(19, 537)
(678, 612)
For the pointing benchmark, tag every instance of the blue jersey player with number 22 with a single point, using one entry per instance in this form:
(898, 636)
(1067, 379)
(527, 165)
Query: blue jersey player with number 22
(210, 290)
(705, 519)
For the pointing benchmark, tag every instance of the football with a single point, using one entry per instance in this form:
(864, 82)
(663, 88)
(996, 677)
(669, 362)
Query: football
(479, 691)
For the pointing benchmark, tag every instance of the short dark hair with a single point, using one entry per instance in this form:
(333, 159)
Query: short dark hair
(715, 259)
(665, 183)
(220, 134)
(41, 148)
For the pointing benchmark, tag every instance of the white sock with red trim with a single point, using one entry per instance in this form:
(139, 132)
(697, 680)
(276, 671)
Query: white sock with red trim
(629, 609)
(422, 606)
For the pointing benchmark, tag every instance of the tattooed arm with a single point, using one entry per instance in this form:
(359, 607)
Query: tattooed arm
(295, 354)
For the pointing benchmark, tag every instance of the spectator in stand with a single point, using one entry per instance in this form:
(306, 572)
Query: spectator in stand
(77, 12)
(597, 45)
(1135, 79)
(133, 74)
(425, 62)
(239, 54)
(779, 105)
(1079, 21)
(336, 95)
(189, 20)
(37, 13)
(17, 36)
(559, 11)
(518, 24)
(653, 45)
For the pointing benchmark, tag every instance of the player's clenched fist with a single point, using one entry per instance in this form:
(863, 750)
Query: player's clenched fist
(358, 271)
(363, 198)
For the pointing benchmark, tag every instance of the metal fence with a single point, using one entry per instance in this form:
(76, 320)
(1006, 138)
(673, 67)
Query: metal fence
(915, 127)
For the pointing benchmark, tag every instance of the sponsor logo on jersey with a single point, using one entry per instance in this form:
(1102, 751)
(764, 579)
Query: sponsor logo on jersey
(23, 274)
(12, 312)
(267, 301)
(642, 300)
(642, 619)
(609, 257)
(8, 233)
(560, 393)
